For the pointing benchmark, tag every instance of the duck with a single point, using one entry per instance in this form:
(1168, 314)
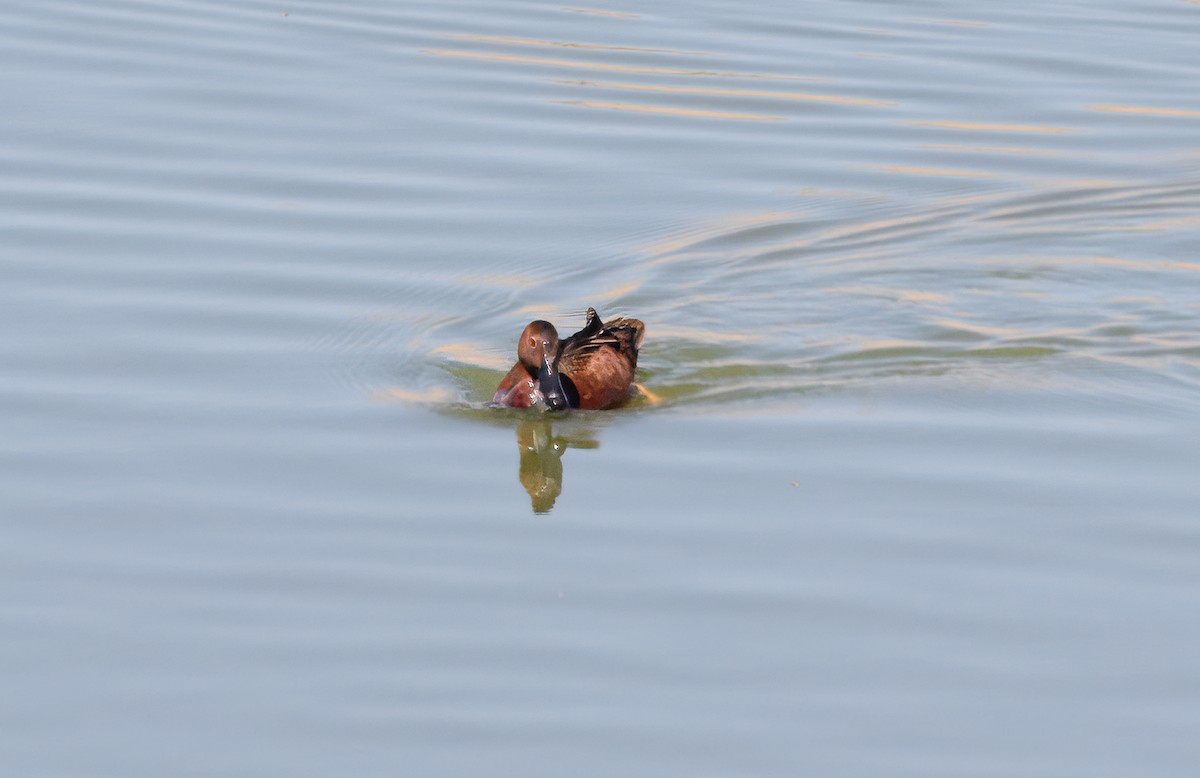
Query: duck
(591, 370)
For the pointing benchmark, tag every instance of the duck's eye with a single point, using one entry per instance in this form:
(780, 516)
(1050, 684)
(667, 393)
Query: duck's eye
(533, 343)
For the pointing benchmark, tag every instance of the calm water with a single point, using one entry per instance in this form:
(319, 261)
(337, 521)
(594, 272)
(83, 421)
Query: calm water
(912, 491)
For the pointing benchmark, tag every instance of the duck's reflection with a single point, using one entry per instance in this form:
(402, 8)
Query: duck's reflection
(541, 470)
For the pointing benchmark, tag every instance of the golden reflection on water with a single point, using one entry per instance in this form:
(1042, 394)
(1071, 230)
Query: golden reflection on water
(907, 295)
(889, 33)
(677, 249)
(991, 127)
(713, 229)
(618, 291)
(947, 22)
(1138, 300)
(500, 279)
(568, 45)
(602, 12)
(540, 310)
(696, 335)
(1159, 225)
(1135, 264)
(1068, 261)
(934, 171)
(690, 112)
(1097, 184)
(470, 354)
(435, 396)
(701, 90)
(566, 63)
(980, 329)
(985, 149)
(1142, 110)
(834, 194)
(863, 347)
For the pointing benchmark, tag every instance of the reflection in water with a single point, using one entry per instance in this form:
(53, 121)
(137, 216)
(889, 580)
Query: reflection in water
(571, 45)
(985, 149)
(1142, 109)
(599, 12)
(541, 469)
(701, 90)
(564, 63)
(931, 171)
(750, 117)
(987, 127)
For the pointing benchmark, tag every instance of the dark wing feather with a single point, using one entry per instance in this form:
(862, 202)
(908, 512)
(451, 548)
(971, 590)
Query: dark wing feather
(591, 327)
(622, 335)
(597, 363)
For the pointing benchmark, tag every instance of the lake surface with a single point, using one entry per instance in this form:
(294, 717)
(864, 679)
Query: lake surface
(912, 488)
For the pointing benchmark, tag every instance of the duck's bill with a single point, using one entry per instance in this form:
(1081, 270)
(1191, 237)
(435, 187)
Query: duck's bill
(550, 385)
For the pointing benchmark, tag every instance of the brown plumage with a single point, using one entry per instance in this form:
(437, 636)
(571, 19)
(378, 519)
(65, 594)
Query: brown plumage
(592, 370)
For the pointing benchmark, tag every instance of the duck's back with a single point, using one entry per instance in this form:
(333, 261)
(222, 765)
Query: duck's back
(601, 365)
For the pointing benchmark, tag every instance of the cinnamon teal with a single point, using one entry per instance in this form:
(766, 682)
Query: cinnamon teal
(592, 370)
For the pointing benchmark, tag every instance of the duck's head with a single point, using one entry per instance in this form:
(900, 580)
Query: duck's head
(538, 352)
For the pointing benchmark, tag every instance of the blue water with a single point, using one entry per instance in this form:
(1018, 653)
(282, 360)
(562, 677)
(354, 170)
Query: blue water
(909, 490)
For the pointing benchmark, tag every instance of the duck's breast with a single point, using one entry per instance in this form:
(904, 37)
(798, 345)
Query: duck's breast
(603, 380)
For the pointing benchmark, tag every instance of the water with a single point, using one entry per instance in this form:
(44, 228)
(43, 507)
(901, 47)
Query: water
(911, 489)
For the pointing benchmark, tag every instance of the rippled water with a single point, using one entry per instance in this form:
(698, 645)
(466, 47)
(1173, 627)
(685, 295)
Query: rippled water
(910, 488)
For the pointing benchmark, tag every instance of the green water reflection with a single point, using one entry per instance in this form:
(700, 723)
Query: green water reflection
(542, 444)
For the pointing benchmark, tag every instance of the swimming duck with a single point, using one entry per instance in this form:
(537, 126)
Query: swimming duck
(592, 370)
